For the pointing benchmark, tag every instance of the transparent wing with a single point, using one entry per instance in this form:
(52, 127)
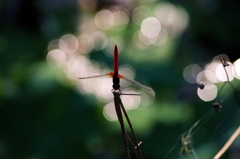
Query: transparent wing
(95, 76)
(137, 84)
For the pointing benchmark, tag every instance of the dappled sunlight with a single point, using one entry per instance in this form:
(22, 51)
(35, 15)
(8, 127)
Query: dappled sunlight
(121, 20)
(86, 43)
(218, 71)
(151, 28)
(104, 19)
(68, 43)
(140, 13)
(54, 44)
(131, 101)
(156, 25)
(101, 32)
(162, 37)
(77, 65)
(175, 18)
(100, 40)
(56, 58)
(116, 18)
(141, 41)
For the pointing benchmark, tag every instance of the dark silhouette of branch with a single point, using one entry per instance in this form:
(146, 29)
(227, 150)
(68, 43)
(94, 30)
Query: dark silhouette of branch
(120, 119)
(119, 109)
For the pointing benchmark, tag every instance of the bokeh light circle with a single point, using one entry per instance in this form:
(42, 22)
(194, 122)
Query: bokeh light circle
(209, 92)
(121, 20)
(221, 74)
(151, 27)
(56, 58)
(191, 72)
(109, 112)
(68, 43)
(210, 72)
(140, 13)
(236, 68)
(104, 19)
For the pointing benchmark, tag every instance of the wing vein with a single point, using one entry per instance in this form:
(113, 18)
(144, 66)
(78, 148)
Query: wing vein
(137, 84)
(94, 76)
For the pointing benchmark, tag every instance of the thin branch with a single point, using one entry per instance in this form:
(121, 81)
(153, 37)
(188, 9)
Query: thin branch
(119, 106)
(228, 144)
(120, 119)
(139, 154)
(133, 146)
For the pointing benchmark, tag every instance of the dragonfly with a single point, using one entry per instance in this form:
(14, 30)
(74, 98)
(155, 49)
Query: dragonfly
(119, 105)
(116, 76)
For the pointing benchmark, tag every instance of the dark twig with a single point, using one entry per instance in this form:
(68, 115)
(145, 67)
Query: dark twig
(132, 144)
(119, 106)
(120, 119)
(139, 154)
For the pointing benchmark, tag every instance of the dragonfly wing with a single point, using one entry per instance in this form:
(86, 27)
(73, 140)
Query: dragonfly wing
(95, 76)
(137, 84)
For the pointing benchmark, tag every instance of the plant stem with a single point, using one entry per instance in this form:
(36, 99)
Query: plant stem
(228, 143)
(119, 108)
(139, 154)
(120, 119)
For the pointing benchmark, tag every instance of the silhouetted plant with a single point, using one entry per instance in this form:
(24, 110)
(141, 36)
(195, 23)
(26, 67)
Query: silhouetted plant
(126, 138)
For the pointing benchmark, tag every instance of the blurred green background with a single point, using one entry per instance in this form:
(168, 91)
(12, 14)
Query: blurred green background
(44, 114)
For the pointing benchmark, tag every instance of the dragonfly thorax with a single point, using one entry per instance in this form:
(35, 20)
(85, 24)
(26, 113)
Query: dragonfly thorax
(116, 84)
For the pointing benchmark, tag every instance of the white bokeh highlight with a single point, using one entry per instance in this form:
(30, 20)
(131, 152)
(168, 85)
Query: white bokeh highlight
(209, 92)
(236, 68)
(56, 58)
(222, 75)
